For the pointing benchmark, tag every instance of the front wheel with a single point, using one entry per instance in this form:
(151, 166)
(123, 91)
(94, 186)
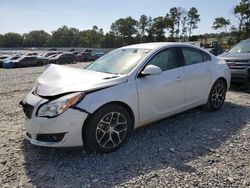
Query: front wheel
(217, 96)
(107, 129)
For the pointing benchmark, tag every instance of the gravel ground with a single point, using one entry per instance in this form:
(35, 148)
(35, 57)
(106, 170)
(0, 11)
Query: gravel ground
(193, 149)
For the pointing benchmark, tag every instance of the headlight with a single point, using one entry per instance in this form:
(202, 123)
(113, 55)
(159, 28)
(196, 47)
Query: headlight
(58, 106)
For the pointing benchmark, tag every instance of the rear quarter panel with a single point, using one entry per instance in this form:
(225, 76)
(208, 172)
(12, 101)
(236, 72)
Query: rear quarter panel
(219, 69)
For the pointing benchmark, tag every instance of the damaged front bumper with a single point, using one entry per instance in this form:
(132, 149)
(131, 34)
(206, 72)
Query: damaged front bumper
(64, 130)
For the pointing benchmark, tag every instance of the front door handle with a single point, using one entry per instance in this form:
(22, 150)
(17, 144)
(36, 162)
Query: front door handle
(179, 78)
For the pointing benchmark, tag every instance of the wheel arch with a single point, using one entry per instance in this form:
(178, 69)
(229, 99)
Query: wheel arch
(124, 105)
(224, 80)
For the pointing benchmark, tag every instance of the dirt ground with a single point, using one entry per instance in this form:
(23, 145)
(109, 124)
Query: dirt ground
(193, 149)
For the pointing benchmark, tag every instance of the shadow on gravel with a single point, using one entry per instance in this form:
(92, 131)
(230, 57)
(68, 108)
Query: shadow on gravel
(171, 143)
(241, 87)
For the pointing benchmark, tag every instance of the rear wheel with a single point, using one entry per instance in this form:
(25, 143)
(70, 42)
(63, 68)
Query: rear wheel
(107, 129)
(217, 96)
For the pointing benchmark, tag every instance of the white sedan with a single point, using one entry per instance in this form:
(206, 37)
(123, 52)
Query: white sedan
(99, 106)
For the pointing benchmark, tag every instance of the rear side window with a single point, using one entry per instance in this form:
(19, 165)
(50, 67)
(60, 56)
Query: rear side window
(166, 59)
(192, 56)
(206, 57)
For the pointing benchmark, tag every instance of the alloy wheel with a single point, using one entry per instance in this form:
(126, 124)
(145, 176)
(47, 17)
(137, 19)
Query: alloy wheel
(111, 130)
(218, 96)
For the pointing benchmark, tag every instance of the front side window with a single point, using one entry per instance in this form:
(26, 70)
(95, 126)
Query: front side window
(192, 56)
(120, 61)
(165, 60)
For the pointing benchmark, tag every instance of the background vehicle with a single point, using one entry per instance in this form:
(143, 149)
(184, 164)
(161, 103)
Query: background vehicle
(63, 58)
(7, 62)
(238, 60)
(98, 54)
(215, 51)
(85, 57)
(25, 61)
(47, 54)
(125, 89)
(2, 58)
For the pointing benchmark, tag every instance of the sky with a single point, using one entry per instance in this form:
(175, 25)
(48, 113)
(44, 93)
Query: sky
(22, 16)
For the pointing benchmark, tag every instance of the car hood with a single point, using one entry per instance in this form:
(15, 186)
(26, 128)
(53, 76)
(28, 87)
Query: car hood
(59, 79)
(235, 56)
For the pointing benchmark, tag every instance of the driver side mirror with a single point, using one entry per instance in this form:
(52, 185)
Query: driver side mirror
(151, 70)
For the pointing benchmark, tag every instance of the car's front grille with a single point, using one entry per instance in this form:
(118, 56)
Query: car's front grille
(238, 64)
(28, 110)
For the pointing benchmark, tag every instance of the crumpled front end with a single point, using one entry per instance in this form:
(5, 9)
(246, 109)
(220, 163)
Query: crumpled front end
(60, 131)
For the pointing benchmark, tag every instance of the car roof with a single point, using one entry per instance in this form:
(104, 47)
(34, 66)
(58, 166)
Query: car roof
(157, 45)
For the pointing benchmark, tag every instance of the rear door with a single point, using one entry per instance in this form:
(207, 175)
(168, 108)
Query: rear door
(27, 61)
(198, 76)
(63, 59)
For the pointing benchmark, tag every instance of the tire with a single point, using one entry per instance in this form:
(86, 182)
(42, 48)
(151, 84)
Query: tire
(107, 129)
(217, 96)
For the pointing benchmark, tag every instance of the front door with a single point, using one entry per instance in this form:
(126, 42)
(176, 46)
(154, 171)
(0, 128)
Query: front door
(164, 94)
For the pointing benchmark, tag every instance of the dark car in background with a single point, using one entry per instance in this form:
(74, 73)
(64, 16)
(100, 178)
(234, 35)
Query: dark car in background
(86, 57)
(63, 58)
(215, 51)
(238, 60)
(25, 61)
(2, 58)
(48, 54)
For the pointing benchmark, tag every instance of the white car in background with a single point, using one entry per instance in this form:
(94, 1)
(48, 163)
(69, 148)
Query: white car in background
(127, 88)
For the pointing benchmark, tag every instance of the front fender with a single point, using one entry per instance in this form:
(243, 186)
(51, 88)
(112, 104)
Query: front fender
(125, 93)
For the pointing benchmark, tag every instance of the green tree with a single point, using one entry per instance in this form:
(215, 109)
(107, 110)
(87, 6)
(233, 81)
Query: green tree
(159, 26)
(12, 40)
(192, 20)
(111, 41)
(90, 38)
(172, 18)
(143, 26)
(125, 28)
(65, 37)
(242, 12)
(38, 38)
(175, 17)
(184, 27)
(221, 23)
(1, 40)
(149, 30)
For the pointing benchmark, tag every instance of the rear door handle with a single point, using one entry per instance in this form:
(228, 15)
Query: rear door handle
(179, 78)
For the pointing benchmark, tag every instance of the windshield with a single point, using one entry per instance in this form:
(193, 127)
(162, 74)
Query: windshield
(242, 47)
(120, 61)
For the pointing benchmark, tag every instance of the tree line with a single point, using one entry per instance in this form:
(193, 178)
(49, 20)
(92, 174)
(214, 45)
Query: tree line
(177, 25)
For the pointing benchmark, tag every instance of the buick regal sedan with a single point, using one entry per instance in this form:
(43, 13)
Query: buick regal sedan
(99, 106)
